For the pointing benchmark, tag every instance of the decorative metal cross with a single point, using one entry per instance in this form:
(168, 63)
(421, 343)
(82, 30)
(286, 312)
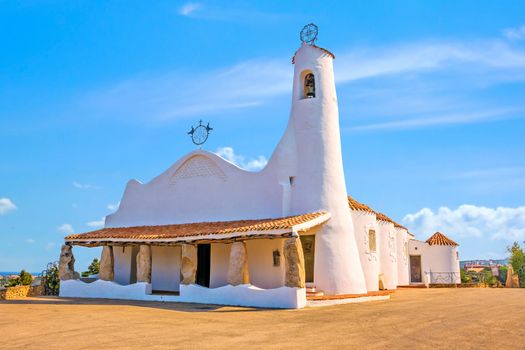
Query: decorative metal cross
(199, 134)
(309, 34)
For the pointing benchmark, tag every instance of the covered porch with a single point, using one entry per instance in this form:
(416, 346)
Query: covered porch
(246, 263)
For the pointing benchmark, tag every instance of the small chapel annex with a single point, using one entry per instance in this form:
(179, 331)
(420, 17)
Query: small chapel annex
(267, 238)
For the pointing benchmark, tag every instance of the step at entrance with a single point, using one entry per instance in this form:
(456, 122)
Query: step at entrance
(311, 291)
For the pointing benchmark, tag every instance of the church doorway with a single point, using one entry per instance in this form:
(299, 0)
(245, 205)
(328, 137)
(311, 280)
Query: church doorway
(203, 264)
(415, 269)
(308, 243)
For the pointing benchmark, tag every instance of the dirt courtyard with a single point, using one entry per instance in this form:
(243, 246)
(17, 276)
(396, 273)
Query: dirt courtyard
(412, 319)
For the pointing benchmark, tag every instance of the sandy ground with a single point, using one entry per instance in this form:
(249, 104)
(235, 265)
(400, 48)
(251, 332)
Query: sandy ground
(412, 319)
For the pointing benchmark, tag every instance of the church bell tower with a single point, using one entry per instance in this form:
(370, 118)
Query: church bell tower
(320, 182)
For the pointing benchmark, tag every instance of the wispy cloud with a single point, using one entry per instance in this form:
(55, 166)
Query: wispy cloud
(251, 164)
(451, 119)
(84, 186)
(96, 223)
(475, 65)
(66, 229)
(30, 241)
(50, 246)
(113, 207)
(6, 206)
(470, 221)
(189, 8)
(515, 33)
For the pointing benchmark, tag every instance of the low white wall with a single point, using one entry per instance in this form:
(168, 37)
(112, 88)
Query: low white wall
(165, 268)
(243, 295)
(363, 222)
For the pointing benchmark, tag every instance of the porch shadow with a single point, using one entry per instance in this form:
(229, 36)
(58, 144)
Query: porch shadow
(173, 306)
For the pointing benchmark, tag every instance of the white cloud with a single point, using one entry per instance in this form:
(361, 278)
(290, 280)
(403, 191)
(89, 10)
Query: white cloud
(96, 223)
(84, 186)
(30, 241)
(256, 82)
(189, 8)
(113, 207)
(444, 119)
(66, 229)
(252, 164)
(470, 221)
(6, 205)
(515, 33)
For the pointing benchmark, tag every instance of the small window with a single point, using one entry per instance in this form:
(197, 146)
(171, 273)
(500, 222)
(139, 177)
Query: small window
(276, 258)
(309, 86)
(292, 179)
(372, 240)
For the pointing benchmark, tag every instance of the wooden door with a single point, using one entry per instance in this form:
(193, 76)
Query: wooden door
(308, 243)
(415, 269)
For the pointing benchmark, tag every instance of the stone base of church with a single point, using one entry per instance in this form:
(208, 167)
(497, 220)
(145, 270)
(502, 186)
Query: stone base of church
(241, 295)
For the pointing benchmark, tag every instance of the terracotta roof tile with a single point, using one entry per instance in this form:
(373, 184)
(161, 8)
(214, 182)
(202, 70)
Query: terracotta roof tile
(440, 239)
(170, 232)
(355, 205)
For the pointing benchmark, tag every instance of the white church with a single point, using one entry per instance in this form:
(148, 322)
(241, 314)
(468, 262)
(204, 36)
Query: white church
(207, 231)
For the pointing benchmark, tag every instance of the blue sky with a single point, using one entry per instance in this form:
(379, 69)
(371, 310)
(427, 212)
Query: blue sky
(94, 93)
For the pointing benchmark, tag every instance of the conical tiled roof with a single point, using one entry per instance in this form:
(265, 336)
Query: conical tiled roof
(440, 239)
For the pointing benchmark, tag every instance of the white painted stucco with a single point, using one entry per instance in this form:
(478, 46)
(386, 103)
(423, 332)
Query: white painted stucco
(402, 256)
(165, 268)
(122, 264)
(436, 259)
(242, 295)
(363, 223)
(388, 254)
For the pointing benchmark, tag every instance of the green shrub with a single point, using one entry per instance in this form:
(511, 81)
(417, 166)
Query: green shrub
(93, 269)
(51, 280)
(24, 279)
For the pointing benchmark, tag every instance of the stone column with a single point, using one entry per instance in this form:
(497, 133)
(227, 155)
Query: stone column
(107, 270)
(66, 265)
(144, 264)
(513, 280)
(294, 263)
(188, 266)
(238, 268)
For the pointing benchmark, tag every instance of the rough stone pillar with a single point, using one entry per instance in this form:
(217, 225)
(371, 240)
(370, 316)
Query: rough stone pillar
(294, 263)
(188, 266)
(107, 270)
(238, 268)
(66, 265)
(144, 264)
(513, 280)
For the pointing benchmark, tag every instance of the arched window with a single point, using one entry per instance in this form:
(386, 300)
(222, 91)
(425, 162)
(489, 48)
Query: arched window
(372, 241)
(309, 86)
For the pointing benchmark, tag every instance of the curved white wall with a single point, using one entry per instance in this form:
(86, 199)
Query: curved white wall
(388, 255)
(363, 222)
(402, 256)
(436, 259)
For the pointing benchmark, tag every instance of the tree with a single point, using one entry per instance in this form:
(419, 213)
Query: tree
(93, 268)
(50, 279)
(503, 274)
(24, 279)
(517, 260)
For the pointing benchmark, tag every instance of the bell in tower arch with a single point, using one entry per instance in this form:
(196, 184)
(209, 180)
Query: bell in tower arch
(309, 86)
